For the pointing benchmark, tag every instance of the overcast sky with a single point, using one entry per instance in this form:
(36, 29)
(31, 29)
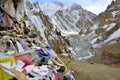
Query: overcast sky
(95, 6)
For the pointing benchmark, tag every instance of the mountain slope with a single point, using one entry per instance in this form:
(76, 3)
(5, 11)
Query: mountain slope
(107, 40)
(107, 25)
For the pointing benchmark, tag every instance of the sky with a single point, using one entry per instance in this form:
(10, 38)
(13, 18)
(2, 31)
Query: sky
(95, 6)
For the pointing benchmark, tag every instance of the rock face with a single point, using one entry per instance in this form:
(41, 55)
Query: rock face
(110, 58)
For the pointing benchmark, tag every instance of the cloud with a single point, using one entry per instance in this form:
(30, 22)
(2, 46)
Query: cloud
(95, 6)
(95, 10)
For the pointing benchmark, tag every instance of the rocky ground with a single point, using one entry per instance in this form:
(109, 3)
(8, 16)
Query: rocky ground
(99, 67)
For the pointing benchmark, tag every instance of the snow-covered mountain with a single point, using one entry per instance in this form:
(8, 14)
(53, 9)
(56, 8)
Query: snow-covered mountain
(67, 27)
(107, 25)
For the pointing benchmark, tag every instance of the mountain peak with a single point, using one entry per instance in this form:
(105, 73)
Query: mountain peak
(114, 4)
(59, 3)
(75, 6)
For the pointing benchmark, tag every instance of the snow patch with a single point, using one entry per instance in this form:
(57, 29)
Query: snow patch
(94, 40)
(66, 33)
(95, 26)
(114, 13)
(86, 57)
(110, 26)
(105, 26)
(116, 34)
